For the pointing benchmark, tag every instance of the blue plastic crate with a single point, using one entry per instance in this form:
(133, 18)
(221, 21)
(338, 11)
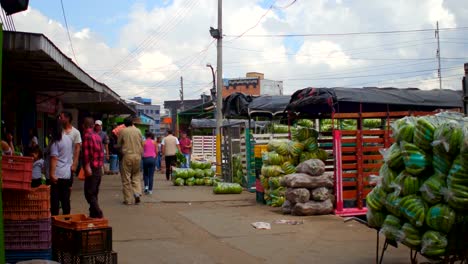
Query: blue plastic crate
(13, 256)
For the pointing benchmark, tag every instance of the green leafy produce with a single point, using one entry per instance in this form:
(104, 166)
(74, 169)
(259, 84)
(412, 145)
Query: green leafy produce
(190, 181)
(415, 159)
(410, 236)
(209, 172)
(407, 183)
(195, 165)
(208, 181)
(433, 244)
(238, 170)
(179, 182)
(277, 201)
(414, 209)
(375, 218)
(348, 124)
(464, 145)
(190, 173)
(199, 181)
(199, 173)
(440, 217)
(375, 200)
(371, 123)
(227, 188)
(431, 189)
(180, 159)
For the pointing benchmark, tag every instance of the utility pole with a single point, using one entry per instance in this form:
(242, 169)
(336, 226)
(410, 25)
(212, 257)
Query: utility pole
(181, 93)
(465, 89)
(439, 71)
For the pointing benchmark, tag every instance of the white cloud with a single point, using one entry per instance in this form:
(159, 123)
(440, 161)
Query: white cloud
(158, 45)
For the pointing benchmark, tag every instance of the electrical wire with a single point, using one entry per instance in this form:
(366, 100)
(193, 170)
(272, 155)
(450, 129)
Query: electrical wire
(352, 33)
(68, 31)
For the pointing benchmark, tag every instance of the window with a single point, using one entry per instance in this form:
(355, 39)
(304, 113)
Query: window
(156, 112)
(152, 111)
(146, 111)
(156, 121)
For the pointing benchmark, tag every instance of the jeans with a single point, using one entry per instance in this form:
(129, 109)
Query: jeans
(91, 192)
(170, 161)
(60, 195)
(187, 161)
(158, 161)
(149, 163)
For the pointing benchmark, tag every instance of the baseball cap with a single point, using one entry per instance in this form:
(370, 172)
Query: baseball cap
(98, 122)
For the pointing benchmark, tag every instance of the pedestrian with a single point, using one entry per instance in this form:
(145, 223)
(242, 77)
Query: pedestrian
(104, 140)
(38, 166)
(159, 155)
(150, 151)
(170, 146)
(8, 149)
(33, 141)
(131, 142)
(93, 161)
(74, 134)
(186, 148)
(61, 160)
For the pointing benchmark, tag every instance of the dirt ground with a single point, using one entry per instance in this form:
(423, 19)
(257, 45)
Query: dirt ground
(192, 225)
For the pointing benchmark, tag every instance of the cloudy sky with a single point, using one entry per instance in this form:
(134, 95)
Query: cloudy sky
(142, 48)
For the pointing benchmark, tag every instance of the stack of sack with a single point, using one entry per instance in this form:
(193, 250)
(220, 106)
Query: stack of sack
(309, 190)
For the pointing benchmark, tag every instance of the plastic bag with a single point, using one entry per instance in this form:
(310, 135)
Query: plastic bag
(409, 236)
(300, 134)
(313, 208)
(274, 182)
(433, 244)
(388, 177)
(391, 227)
(286, 208)
(424, 132)
(305, 123)
(392, 203)
(297, 195)
(414, 209)
(288, 167)
(311, 145)
(464, 145)
(441, 162)
(320, 194)
(375, 200)
(407, 184)
(313, 167)
(375, 219)
(403, 129)
(272, 171)
(227, 188)
(393, 157)
(179, 182)
(318, 154)
(440, 217)
(295, 148)
(431, 189)
(415, 159)
(457, 185)
(448, 137)
(302, 180)
(272, 158)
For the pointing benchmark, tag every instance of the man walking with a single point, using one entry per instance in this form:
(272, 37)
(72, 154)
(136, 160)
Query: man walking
(74, 134)
(93, 160)
(170, 145)
(131, 142)
(186, 148)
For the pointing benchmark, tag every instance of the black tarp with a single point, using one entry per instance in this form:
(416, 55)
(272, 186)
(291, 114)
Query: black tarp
(211, 123)
(371, 99)
(236, 105)
(268, 105)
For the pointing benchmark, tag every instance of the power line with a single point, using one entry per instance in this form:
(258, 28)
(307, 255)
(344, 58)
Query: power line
(350, 33)
(68, 31)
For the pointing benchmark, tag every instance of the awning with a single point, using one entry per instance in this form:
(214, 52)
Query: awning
(33, 63)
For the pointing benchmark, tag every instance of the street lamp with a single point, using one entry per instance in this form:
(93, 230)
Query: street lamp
(212, 90)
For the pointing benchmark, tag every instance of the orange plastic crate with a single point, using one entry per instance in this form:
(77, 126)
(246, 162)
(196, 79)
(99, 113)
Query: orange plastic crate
(17, 172)
(259, 149)
(78, 222)
(33, 205)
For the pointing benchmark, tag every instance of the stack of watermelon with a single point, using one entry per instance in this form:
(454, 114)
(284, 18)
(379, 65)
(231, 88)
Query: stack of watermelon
(200, 173)
(421, 199)
(284, 155)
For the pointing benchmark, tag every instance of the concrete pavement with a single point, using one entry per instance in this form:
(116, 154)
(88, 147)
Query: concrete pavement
(192, 225)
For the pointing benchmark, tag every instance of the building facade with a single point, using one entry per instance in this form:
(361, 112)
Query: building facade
(144, 107)
(253, 84)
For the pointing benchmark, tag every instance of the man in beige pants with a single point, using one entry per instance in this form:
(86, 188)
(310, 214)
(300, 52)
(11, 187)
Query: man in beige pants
(131, 142)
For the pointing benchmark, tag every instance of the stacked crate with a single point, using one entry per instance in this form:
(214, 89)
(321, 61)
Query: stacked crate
(27, 224)
(78, 239)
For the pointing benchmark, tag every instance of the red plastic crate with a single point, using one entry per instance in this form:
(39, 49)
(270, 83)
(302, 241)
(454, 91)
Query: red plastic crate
(28, 235)
(33, 205)
(17, 172)
(79, 222)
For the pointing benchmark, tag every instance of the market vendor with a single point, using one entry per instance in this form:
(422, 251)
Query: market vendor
(7, 144)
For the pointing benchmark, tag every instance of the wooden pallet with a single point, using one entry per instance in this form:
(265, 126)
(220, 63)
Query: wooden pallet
(204, 147)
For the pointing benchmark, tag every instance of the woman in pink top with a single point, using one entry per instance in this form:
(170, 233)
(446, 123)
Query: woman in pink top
(150, 151)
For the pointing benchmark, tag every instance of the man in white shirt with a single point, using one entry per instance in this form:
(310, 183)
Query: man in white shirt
(75, 136)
